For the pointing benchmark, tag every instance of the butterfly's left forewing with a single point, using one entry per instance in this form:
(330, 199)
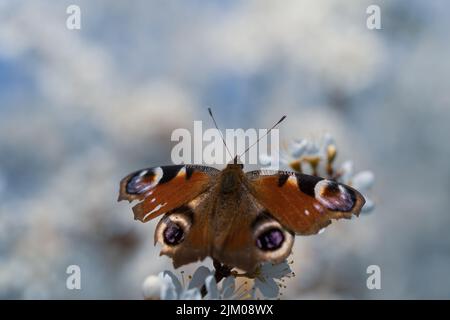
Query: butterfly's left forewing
(303, 203)
(162, 189)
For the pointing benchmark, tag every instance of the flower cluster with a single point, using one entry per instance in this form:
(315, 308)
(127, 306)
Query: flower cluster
(204, 284)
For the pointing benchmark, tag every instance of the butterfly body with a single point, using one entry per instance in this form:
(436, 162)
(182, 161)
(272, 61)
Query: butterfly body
(239, 219)
(232, 210)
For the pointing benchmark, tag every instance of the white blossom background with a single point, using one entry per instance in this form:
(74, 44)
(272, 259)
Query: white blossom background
(79, 109)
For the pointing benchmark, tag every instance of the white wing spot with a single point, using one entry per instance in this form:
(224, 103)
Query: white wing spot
(143, 173)
(147, 187)
(306, 212)
(292, 180)
(157, 208)
(182, 172)
(319, 208)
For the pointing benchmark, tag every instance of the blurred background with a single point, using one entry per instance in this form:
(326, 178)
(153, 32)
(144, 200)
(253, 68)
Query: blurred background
(80, 109)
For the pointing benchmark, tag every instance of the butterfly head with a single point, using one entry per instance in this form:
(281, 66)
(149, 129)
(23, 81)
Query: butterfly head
(236, 164)
(232, 176)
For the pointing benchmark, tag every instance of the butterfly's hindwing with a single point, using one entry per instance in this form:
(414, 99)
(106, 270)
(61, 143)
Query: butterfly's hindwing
(183, 233)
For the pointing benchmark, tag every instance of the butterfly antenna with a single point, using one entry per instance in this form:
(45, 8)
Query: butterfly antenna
(279, 121)
(217, 127)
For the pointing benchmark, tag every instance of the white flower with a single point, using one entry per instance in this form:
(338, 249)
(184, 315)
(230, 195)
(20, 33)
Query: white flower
(304, 147)
(173, 289)
(199, 277)
(166, 286)
(346, 171)
(361, 181)
(152, 286)
(269, 278)
(298, 149)
(211, 287)
(227, 290)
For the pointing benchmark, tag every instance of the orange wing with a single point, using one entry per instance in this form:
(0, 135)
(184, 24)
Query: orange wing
(303, 203)
(162, 189)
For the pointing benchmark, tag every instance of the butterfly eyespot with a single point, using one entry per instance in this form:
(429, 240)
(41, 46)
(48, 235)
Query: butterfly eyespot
(144, 181)
(270, 240)
(334, 196)
(173, 228)
(173, 234)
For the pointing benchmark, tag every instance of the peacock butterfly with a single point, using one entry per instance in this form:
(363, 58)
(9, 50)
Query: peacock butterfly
(237, 218)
